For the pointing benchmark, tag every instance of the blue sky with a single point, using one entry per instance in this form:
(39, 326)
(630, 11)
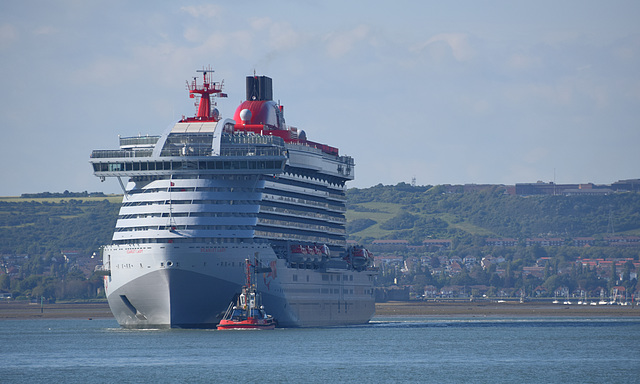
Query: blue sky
(447, 92)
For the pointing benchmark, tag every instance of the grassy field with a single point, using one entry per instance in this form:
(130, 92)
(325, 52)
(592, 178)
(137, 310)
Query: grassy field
(454, 222)
(381, 212)
(18, 199)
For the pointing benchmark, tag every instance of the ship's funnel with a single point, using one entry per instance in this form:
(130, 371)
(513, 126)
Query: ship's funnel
(259, 88)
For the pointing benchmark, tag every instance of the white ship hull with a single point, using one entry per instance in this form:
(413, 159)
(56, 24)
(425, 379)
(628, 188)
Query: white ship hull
(190, 286)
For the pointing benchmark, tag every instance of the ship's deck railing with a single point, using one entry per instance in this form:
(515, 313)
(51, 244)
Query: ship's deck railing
(305, 202)
(228, 152)
(302, 214)
(252, 139)
(252, 151)
(138, 140)
(189, 151)
(297, 225)
(185, 151)
(116, 153)
(347, 160)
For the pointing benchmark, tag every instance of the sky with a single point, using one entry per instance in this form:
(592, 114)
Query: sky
(440, 92)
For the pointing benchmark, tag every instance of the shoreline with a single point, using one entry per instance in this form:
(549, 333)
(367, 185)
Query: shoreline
(509, 308)
(100, 310)
(15, 310)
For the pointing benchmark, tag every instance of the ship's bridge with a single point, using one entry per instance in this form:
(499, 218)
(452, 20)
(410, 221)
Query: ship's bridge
(186, 150)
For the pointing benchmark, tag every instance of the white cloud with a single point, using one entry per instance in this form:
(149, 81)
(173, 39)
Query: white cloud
(260, 23)
(207, 11)
(521, 61)
(283, 37)
(458, 43)
(8, 35)
(339, 44)
(45, 30)
(192, 34)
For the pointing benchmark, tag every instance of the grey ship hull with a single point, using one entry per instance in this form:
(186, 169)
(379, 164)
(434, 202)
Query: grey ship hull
(150, 294)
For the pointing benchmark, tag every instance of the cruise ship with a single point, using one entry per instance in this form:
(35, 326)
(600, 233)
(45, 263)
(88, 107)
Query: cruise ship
(210, 193)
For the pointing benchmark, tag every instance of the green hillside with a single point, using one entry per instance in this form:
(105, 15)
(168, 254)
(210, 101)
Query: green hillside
(45, 226)
(417, 213)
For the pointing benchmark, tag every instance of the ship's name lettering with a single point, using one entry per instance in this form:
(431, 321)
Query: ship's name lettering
(135, 250)
(123, 266)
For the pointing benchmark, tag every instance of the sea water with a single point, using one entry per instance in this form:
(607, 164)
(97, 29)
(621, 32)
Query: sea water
(388, 350)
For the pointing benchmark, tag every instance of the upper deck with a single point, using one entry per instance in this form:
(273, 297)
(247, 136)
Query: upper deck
(256, 141)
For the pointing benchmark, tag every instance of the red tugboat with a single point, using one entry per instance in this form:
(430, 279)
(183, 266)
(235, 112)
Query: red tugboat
(247, 312)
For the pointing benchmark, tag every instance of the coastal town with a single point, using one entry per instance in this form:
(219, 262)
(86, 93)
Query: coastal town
(437, 262)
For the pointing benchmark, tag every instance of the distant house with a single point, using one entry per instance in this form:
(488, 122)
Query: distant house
(455, 259)
(583, 241)
(533, 271)
(389, 258)
(561, 291)
(470, 260)
(479, 290)
(545, 242)
(543, 261)
(410, 265)
(502, 242)
(455, 268)
(431, 291)
(540, 291)
(623, 241)
(488, 260)
(390, 242)
(437, 243)
(451, 291)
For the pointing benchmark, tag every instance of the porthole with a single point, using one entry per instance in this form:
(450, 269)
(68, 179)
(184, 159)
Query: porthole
(169, 263)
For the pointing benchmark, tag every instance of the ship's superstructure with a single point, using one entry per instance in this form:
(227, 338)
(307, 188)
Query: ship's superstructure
(209, 193)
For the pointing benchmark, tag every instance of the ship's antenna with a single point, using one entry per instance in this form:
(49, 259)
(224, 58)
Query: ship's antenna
(205, 92)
